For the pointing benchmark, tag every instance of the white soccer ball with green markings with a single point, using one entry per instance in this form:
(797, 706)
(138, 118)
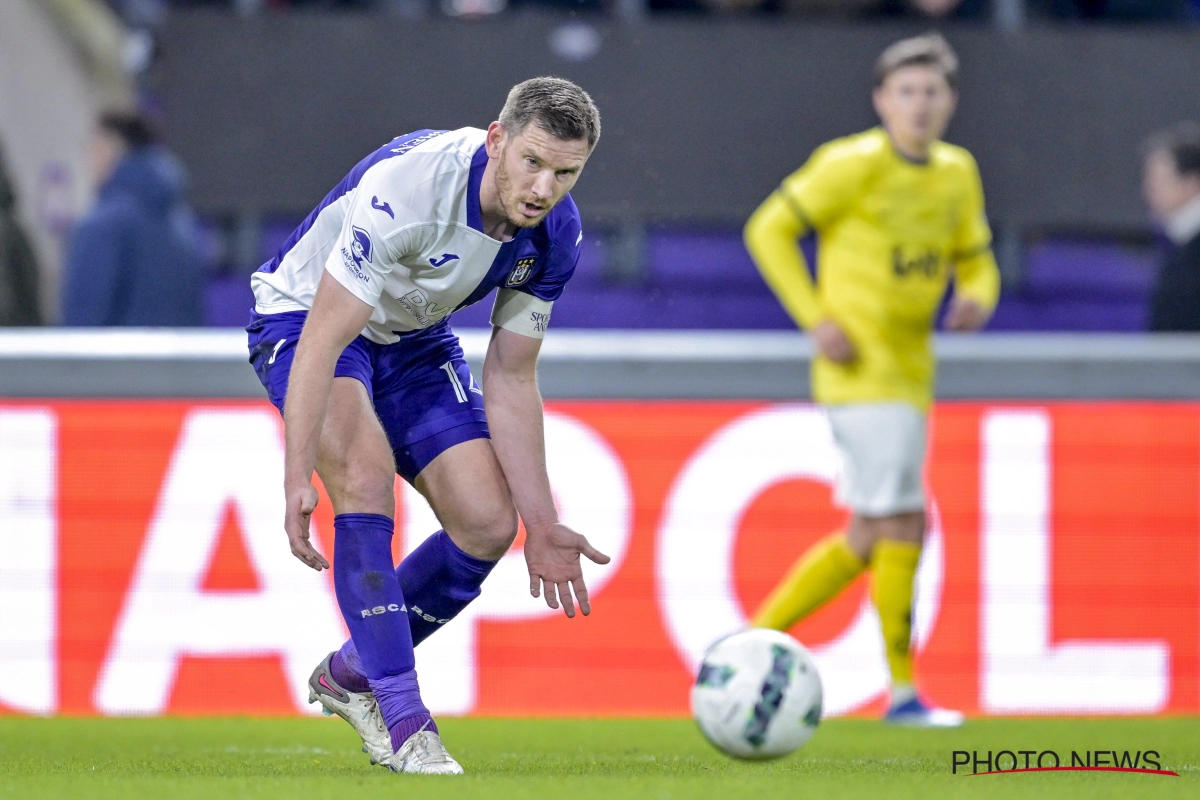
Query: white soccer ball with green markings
(757, 695)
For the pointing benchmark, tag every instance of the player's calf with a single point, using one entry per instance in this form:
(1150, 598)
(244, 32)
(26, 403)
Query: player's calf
(439, 580)
(373, 605)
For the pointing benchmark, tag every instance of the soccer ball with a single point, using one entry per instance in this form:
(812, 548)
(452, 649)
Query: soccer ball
(758, 694)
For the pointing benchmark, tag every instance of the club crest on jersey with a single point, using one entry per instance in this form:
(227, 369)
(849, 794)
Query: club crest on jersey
(520, 272)
(361, 246)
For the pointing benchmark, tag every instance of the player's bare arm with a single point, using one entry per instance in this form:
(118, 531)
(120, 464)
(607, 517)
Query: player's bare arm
(336, 318)
(514, 410)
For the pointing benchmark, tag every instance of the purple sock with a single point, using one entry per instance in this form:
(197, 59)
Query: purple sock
(347, 671)
(399, 699)
(369, 595)
(438, 581)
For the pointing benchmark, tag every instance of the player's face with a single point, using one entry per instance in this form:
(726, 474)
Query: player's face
(534, 170)
(915, 104)
(1165, 190)
(107, 150)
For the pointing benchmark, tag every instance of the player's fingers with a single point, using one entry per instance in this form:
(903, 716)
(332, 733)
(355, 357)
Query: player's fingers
(535, 584)
(564, 594)
(322, 562)
(304, 557)
(304, 551)
(551, 599)
(592, 553)
(581, 596)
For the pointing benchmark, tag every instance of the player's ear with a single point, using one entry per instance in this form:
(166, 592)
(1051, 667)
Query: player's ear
(877, 100)
(496, 137)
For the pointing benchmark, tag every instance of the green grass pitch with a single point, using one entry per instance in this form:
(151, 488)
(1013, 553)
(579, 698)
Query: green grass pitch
(577, 759)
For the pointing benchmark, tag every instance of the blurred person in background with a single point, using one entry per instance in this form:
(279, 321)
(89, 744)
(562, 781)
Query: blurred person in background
(18, 264)
(898, 214)
(1171, 185)
(936, 9)
(134, 259)
(924, 9)
(1117, 10)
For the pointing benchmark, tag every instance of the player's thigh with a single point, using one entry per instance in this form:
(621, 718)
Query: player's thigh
(354, 458)
(883, 456)
(864, 532)
(467, 490)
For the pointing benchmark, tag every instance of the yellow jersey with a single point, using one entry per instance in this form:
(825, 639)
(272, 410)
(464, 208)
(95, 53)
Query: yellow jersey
(891, 234)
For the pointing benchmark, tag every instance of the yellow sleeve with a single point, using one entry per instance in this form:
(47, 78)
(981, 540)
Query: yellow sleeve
(832, 179)
(809, 199)
(976, 274)
(771, 237)
(978, 278)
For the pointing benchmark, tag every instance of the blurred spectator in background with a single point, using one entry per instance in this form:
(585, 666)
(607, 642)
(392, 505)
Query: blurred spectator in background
(18, 265)
(134, 258)
(1117, 10)
(921, 9)
(1171, 184)
(936, 9)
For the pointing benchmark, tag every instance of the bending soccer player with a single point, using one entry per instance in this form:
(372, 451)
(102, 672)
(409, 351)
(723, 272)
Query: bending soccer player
(898, 214)
(351, 338)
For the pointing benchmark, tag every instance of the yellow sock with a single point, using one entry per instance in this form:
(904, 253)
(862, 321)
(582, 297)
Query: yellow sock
(895, 567)
(823, 571)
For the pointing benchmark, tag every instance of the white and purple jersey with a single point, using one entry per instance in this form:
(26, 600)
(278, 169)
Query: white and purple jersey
(403, 233)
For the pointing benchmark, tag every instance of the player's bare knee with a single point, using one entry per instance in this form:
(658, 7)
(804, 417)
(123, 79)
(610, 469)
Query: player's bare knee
(489, 533)
(359, 490)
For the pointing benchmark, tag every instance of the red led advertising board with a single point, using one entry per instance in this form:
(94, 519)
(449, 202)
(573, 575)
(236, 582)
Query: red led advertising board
(145, 570)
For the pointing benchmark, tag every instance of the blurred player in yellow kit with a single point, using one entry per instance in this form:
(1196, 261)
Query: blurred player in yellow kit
(898, 214)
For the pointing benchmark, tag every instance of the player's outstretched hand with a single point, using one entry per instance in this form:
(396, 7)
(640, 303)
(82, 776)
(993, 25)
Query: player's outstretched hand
(833, 342)
(965, 315)
(553, 561)
(301, 501)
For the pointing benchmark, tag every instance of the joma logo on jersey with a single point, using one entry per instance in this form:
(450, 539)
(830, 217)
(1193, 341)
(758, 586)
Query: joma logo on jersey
(423, 310)
(377, 610)
(520, 272)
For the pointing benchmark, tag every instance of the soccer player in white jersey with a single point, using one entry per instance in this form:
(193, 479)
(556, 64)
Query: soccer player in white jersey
(351, 338)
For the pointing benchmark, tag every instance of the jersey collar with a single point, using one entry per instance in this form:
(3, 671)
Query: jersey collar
(916, 162)
(474, 181)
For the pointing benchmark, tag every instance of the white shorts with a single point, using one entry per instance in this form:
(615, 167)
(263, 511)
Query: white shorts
(883, 457)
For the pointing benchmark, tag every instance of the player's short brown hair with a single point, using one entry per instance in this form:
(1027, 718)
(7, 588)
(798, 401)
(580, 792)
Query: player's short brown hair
(135, 130)
(1181, 142)
(562, 108)
(929, 50)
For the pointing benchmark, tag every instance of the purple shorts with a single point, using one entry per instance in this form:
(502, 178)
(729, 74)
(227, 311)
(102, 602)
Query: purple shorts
(421, 386)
